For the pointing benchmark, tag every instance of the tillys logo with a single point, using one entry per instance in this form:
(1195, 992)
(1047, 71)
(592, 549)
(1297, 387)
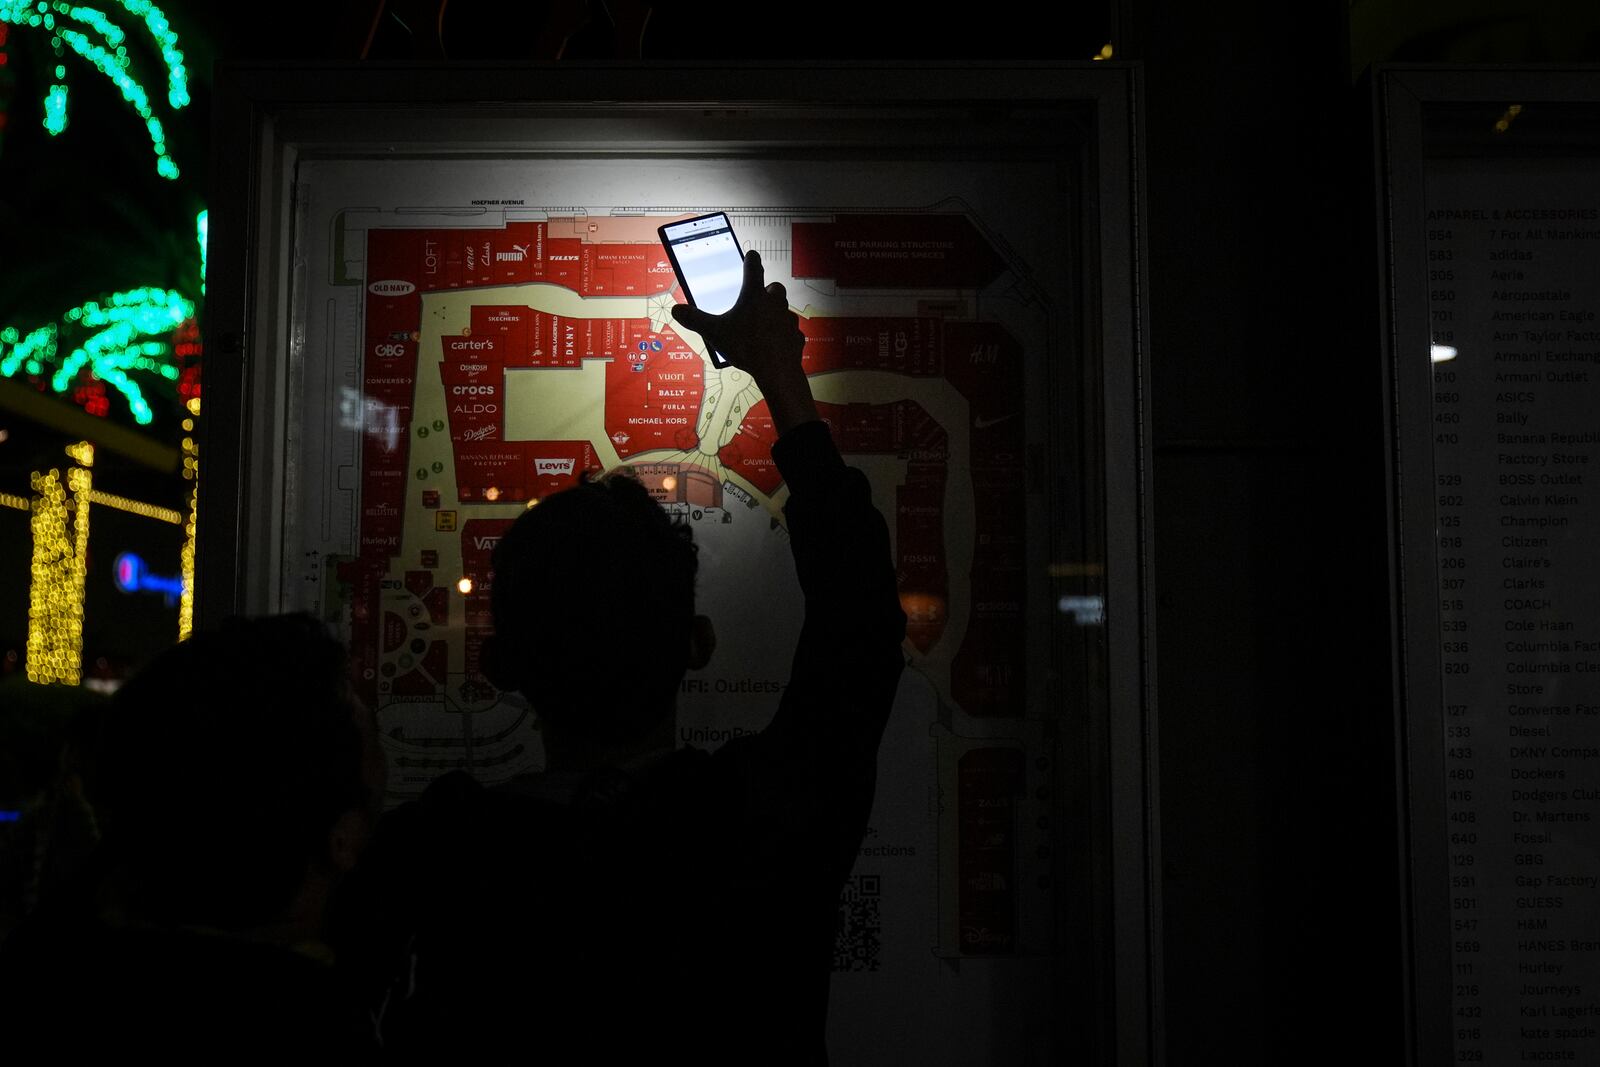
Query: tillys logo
(553, 466)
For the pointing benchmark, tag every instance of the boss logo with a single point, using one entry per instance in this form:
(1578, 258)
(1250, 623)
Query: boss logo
(388, 350)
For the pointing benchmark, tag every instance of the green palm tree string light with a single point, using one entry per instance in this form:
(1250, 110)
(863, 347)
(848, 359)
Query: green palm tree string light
(126, 336)
(91, 35)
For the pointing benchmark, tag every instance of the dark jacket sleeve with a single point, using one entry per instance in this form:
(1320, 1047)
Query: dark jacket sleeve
(823, 741)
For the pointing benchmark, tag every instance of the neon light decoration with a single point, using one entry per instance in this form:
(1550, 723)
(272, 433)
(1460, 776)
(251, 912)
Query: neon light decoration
(132, 575)
(92, 36)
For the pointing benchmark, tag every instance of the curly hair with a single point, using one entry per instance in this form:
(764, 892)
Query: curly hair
(593, 598)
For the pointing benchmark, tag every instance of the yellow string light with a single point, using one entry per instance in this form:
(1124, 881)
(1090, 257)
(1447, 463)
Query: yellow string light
(60, 528)
(46, 606)
(1503, 123)
(80, 482)
(12, 500)
(137, 507)
(191, 472)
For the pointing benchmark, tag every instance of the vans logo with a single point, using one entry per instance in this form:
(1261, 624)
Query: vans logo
(485, 543)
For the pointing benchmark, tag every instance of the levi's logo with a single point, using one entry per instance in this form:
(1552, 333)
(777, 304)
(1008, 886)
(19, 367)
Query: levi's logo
(553, 466)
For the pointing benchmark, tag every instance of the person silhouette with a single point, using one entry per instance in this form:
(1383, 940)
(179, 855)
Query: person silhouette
(633, 897)
(238, 780)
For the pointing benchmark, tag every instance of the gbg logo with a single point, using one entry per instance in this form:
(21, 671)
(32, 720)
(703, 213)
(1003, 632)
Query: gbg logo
(388, 351)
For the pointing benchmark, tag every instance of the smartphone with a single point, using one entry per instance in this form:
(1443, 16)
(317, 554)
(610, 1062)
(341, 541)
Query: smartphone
(708, 262)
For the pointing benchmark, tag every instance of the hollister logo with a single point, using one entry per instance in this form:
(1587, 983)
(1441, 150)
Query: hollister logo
(553, 466)
(483, 544)
(392, 287)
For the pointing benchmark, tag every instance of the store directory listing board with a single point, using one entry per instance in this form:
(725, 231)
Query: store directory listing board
(477, 322)
(1495, 201)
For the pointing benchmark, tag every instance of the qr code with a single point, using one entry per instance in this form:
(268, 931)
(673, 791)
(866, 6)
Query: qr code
(858, 941)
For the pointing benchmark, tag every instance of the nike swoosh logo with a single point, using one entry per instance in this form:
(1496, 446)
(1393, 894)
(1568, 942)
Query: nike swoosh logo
(984, 424)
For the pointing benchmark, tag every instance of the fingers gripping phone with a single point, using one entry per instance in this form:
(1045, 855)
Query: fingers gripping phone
(708, 262)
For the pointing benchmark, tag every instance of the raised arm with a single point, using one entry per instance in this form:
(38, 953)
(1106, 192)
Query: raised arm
(761, 336)
(848, 660)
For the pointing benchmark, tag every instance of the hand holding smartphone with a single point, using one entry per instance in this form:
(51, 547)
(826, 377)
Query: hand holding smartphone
(708, 262)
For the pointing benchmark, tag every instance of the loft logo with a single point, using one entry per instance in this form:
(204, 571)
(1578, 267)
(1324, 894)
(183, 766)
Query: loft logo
(516, 255)
(553, 466)
(486, 543)
(391, 287)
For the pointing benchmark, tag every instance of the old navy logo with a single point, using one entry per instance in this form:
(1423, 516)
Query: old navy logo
(392, 287)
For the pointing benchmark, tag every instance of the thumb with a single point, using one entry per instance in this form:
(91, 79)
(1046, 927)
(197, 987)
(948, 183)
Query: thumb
(754, 276)
(699, 321)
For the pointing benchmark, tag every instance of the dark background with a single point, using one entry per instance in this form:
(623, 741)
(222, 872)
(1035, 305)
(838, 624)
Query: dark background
(1281, 901)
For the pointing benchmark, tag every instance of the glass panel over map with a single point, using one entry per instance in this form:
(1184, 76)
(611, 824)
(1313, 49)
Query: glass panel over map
(472, 336)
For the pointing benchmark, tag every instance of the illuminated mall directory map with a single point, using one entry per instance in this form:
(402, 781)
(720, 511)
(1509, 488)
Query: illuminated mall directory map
(468, 357)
